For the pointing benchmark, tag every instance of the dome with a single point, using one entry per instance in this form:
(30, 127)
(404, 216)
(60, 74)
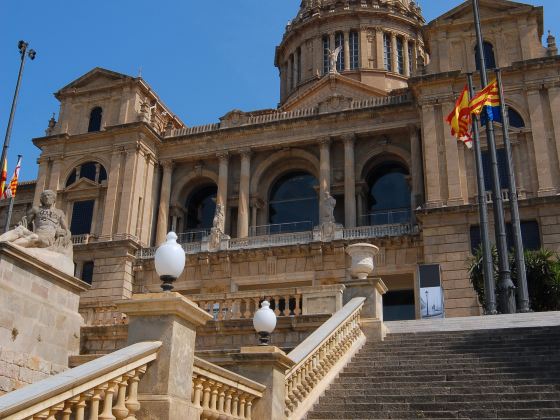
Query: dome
(379, 44)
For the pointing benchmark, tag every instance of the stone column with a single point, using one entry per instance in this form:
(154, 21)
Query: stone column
(54, 181)
(416, 167)
(223, 181)
(406, 60)
(394, 57)
(379, 48)
(346, 50)
(165, 389)
(554, 103)
(165, 196)
(41, 181)
(431, 157)
(290, 75)
(324, 172)
(266, 365)
(128, 192)
(540, 144)
(349, 182)
(243, 207)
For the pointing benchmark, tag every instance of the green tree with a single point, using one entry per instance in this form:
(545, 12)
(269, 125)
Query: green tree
(543, 277)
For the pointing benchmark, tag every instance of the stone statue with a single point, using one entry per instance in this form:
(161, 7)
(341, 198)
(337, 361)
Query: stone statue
(50, 240)
(219, 218)
(218, 227)
(329, 203)
(333, 58)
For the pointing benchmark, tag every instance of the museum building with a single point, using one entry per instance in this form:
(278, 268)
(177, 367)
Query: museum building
(356, 151)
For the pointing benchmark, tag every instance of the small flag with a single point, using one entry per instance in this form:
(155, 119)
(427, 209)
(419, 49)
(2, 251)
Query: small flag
(3, 176)
(12, 188)
(460, 119)
(488, 98)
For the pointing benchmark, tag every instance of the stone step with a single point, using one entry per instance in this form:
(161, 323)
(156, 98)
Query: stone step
(447, 364)
(362, 383)
(547, 414)
(344, 390)
(352, 371)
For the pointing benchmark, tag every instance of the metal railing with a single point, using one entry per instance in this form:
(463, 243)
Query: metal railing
(389, 217)
(189, 236)
(271, 240)
(277, 228)
(381, 231)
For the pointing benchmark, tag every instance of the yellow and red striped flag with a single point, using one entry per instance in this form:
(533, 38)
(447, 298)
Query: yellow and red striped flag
(460, 119)
(3, 176)
(12, 188)
(489, 96)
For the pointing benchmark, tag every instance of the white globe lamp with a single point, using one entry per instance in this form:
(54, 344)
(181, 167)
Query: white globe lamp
(264, 322)
(169, 261)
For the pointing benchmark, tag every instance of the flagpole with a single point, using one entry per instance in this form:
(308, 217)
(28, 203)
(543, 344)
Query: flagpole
(11, 206)
(522, 288)
(487, 260)
(506, 288)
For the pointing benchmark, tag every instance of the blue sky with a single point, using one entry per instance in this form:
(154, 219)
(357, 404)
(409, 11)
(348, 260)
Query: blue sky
(202, 59)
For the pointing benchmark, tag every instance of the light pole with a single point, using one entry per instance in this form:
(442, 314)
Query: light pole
(264, 322)
(22, 46)
(427, 305)
(169, 261)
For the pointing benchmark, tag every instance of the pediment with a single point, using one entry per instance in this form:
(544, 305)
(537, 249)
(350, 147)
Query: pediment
(488, 9)
(332, 92)
(96, 78)
(82, 184)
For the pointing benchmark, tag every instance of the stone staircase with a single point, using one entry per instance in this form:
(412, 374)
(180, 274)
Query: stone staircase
(506, 373)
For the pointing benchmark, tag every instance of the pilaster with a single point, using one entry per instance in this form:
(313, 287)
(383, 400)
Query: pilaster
(349, 182)
(379, 48)
(431, 158)
(113, 182)
(554, 103)
(165, 196)
(243, 207)
(129, 183)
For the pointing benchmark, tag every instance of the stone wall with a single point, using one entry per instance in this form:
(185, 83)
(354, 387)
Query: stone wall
(39, 319)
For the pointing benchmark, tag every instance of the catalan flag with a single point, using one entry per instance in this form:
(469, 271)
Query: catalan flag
(487, 100)
(10, 192)
(460, 119)
(3, 176)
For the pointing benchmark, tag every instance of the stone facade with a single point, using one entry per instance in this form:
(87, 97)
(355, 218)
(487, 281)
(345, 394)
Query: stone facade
(385, 106)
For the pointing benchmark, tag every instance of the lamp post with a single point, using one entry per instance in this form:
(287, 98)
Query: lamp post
(427, 305)
(22, 46)
(169, 261)
(264, 322)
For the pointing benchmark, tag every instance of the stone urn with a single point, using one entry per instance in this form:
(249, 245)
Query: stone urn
(362, 259)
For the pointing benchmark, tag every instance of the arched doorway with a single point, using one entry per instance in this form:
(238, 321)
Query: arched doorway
(201, 207)
(388, 195)
(293, 203)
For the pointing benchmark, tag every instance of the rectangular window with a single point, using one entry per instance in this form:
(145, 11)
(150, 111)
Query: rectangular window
(291, 71)
(82, 216)
(502, 169)
(530, 235)
(298, 64)
(400, 56)
(339, 42)
(87, 272)
(387, 58)
(326, 47)
(354, 50)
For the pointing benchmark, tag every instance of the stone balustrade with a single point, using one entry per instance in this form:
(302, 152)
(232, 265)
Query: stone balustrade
(321, 356)
(105, 388)
(220, 393)
(294, 301)
(380, 231)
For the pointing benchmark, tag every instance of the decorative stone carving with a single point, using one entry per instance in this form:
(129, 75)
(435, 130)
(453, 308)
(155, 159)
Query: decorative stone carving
(50, 238)
(333, 58)
(362, 255)
(217, 232)
(329, 203)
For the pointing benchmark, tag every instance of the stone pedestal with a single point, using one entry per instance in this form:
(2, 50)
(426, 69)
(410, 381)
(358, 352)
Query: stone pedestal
(39, 319)
(165, 390)
(266, 365)
(373, 290)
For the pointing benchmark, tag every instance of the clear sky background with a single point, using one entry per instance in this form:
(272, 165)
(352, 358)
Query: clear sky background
(203, 58)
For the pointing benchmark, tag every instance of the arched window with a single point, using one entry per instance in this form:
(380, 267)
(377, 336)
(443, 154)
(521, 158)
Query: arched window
(293, 203)
(354, 50)
(389, 195)
(326, 47)
(93, 171)
(515, 119)
(95, 119)
(339, 42)
(387, 56)
(201, 208)
(489, 57)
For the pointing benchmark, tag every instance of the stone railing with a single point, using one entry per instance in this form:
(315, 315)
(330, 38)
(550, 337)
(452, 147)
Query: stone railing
(294, 238)
(321, 356)
(504, 193)
(105, 388)
(221, 394)
(285, 302)
(80, 239)
(290, 115)
(380, 231)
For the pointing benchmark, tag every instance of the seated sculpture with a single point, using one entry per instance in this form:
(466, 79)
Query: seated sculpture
(50, 228)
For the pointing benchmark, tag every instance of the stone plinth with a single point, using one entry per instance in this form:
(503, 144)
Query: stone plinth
(39, 319)
(373, 290)
(165, 390)
(266, 365)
